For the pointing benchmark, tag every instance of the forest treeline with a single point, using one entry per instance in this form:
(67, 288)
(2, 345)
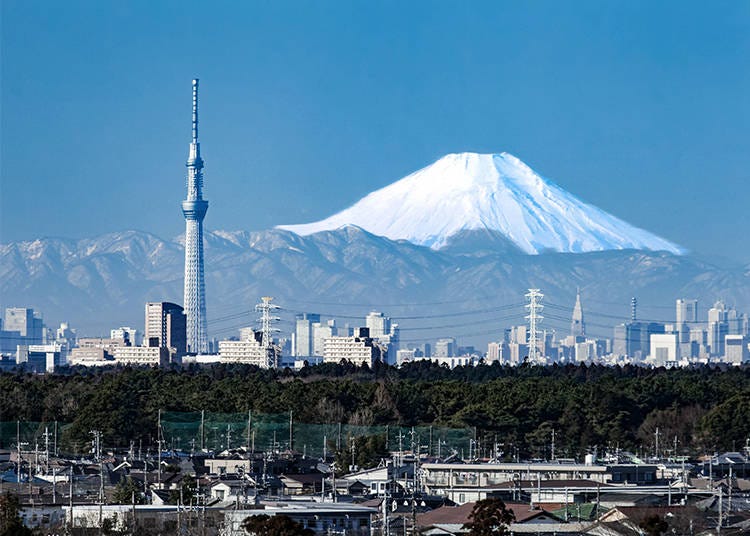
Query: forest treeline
(705, 408)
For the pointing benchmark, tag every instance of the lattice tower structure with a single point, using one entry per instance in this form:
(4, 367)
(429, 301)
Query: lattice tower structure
(194, 209)
(534, 307)
(265, 308)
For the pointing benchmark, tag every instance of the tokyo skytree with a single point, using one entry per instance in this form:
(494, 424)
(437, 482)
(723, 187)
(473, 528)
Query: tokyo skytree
(194, 209)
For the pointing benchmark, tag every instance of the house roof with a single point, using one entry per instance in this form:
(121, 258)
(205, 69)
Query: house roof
(640, 512)
(306, 478)
(552, 484)
(451, 515)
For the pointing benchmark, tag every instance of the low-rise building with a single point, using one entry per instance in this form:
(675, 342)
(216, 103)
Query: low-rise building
(154, 356)
(249, 350)
(41, 357)
(360, 349)
(321, 518)
(90, 356)
(476, 481)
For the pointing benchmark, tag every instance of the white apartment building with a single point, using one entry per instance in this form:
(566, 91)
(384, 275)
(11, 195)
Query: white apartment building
(453, 361)
(89, 356)
(665, 348)
(736, 349)
(249, 352)
(125, 333)
(405, 356)
(153, 356)
(358, 350)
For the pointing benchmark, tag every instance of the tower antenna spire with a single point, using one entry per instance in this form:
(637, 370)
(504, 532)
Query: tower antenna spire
(195, 110)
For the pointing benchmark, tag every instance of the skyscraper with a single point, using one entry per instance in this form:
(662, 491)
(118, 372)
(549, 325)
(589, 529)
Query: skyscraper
(686, 313)
(165, 326)
(194, 209)
(577, 325)
(303, 334)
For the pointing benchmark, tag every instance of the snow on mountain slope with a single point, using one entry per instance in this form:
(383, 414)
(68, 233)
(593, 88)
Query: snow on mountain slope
(495, 192)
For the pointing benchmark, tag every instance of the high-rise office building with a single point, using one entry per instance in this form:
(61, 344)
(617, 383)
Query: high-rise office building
(26, 321)
(320, 332)
(378, 323)
(303, 334)
(165, 326)
(385, 332)
(718, 328)
(194, 209)
(686, 311)
(577, 325)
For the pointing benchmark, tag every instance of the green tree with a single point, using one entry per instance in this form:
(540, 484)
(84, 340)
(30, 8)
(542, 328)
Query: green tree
(654, 525)
(185, 494)
(125, 490)
(364, 451)
(490, 517)
(264, 525)
(10, 521)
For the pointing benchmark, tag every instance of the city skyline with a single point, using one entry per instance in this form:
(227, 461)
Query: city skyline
(633, 124)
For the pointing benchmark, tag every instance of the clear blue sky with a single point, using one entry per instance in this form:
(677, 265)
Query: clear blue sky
(642, 108)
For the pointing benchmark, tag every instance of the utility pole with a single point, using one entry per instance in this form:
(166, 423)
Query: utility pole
(729, 502)
(71, 496)
(400, 447)
(203, 430)
(101, 494)
(249, 426)
(158, 446)
(386, 527)
(291, 431)
(96, 444)
(18, 461)
(534, 307)
(552, 450)
(46, 450)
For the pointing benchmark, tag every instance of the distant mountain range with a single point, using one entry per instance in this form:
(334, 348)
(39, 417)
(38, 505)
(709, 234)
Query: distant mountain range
(103, 282)
(447, 251)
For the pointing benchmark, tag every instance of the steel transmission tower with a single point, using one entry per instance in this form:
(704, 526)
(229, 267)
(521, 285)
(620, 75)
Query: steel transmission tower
(266, 319)
(535, 307)
(194, 209)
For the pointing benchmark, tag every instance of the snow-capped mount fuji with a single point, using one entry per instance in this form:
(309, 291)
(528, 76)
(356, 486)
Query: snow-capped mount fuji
(498, 193)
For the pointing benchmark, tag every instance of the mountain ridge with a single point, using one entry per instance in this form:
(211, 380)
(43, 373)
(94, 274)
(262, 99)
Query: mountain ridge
(99, 283)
